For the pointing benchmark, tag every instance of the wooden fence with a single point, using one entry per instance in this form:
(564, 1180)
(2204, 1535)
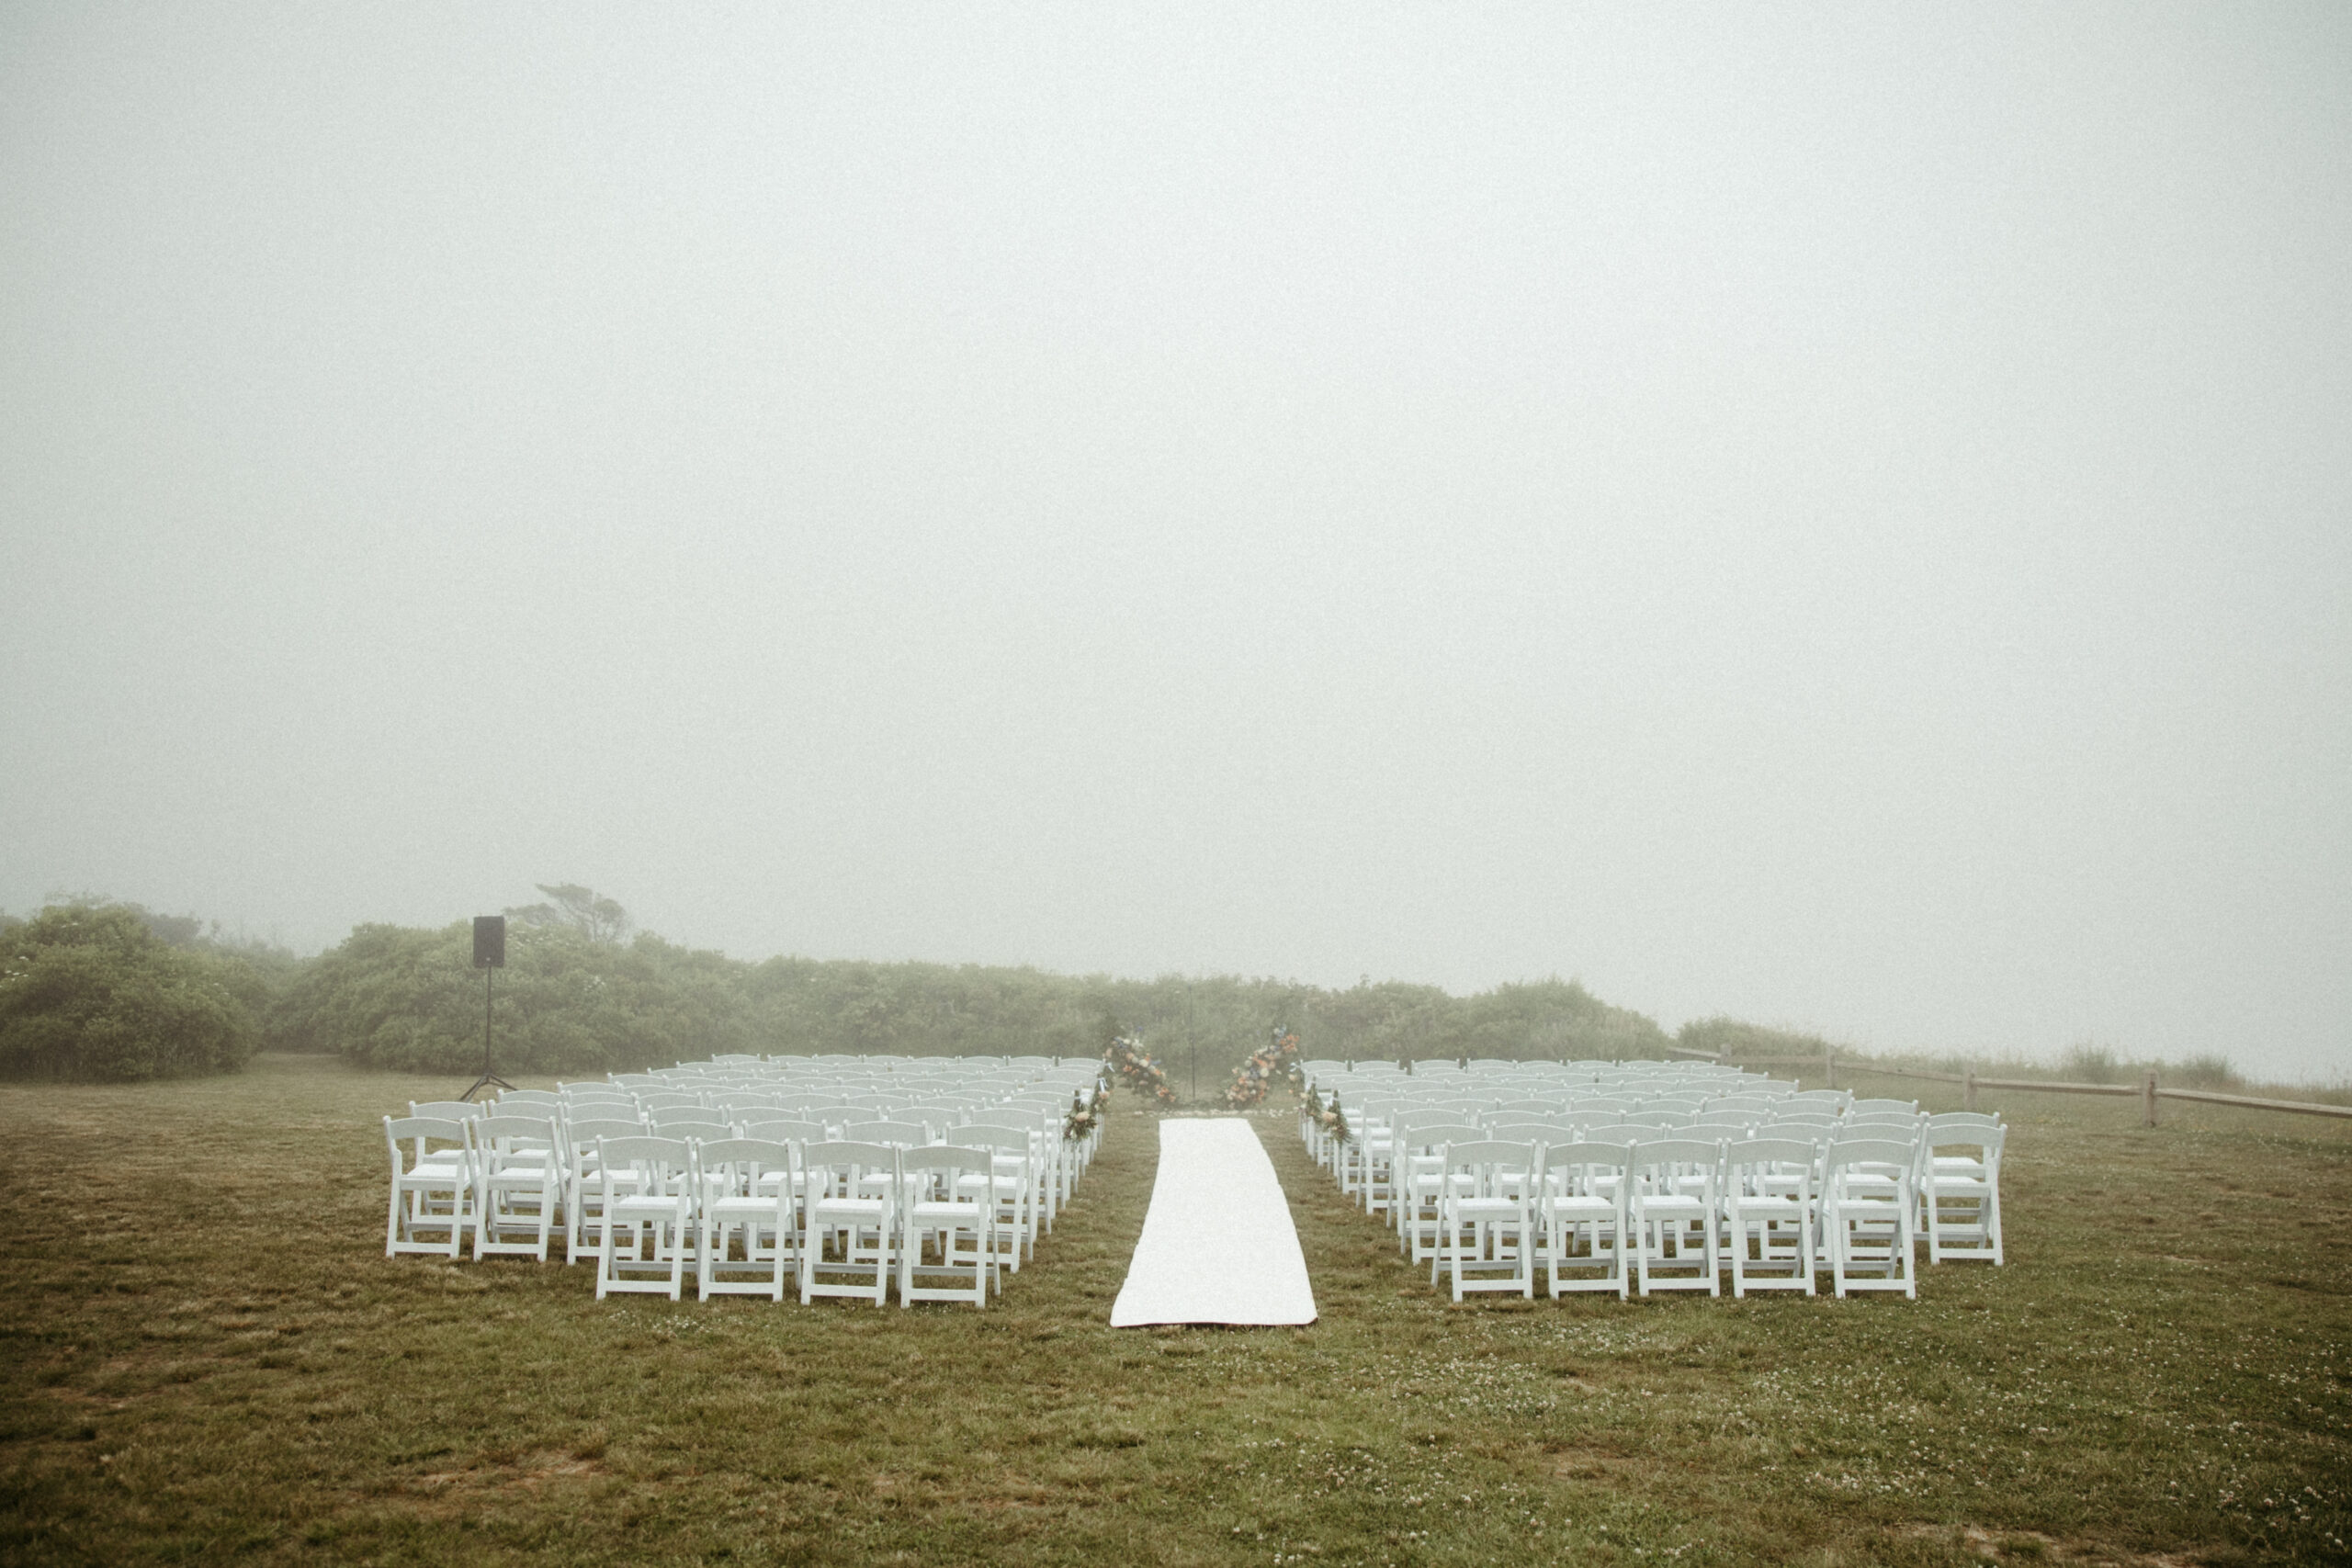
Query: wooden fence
(2148, 1090)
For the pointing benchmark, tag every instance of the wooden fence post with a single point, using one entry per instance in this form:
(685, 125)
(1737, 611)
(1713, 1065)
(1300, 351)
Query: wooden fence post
(1968, 1089)
(2148, 1099)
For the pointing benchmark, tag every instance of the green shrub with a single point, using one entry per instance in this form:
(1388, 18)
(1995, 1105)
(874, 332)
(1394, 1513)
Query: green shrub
(2087, 1063)
(1729, 1037)
(400, 998)
(89, 992)
(2209, 1070)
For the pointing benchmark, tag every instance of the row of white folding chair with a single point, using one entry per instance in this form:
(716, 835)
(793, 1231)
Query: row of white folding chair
(666, 1206)
(1786, 1197)
(493, 1174)
(1671, 1215)
(501, 1175)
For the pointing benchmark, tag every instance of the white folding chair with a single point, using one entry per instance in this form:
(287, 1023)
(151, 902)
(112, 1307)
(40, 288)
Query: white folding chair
(646, 1201)
(1670, 1211)
(1488, 1243)
(747, 1187)
(1581, 1206)
(1012, 1187)
(1767, 1201)
(850, 1214)
(433, 1183)
(1963, 1177)
(1866, 1213)
(518, 1184)
(583, 1190)
(937, 1205)
(1417, 1151)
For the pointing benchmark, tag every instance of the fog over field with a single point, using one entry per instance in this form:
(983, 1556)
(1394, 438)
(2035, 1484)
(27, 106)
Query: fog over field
(1840, 517)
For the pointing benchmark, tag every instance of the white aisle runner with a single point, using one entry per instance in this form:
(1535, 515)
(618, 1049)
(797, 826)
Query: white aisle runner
(1217, 1244)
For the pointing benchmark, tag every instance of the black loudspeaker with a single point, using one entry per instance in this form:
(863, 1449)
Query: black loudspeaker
(489, 942)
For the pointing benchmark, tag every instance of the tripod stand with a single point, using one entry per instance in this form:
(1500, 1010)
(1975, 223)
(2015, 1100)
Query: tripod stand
(489, 1080)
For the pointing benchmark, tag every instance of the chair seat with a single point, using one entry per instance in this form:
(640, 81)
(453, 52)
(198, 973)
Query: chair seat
(1866, 1205)
(1751, 1203)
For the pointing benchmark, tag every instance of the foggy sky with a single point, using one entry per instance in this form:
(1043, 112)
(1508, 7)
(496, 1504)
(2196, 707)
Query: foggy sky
(1836, 516)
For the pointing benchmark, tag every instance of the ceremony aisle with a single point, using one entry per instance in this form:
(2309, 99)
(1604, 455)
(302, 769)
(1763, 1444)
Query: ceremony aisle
(1217, 1245)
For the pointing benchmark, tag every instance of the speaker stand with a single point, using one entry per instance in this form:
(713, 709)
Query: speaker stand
(489, 1080)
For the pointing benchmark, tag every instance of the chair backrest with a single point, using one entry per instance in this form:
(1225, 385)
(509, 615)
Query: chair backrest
(783, 1130)
(446, 1110)
(997, 1140)
(1577, 1164)
(1820, 1134)
(503, 1138)
(947, 1160)
(1432, 1136)
(1716, 1122)
(1527, 1129)
(996, 1126)
(673, 1118)
(906, 1135)
(1781, 1156)
(1489, 1163)
(515, 1099)
(1654, 1157)
(1968, 1136)
(1964, 1119)
(735, 1165)
(1906, 1106)
(834, 1167)
(582, 1132)
(658, 1160)
(420, 1133)
(1882, 1154)
(667, 1100)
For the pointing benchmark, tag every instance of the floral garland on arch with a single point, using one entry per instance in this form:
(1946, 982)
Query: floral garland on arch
(1142, 1072)
(1277, 1060)
(1085, 1114)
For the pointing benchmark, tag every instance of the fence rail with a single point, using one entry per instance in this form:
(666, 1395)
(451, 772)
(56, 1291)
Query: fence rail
(2148, 1090)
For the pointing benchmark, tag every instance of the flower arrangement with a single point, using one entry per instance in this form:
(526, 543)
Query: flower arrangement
(1277, 1060)
(1142, 1071)
(1085, 1114)
(1330, 1117)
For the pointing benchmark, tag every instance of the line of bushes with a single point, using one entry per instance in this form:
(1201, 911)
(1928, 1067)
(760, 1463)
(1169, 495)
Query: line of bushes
(103, 991)
(95, 992)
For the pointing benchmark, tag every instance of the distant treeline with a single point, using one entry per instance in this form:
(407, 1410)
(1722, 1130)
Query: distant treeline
(580, 994)
(96, 991)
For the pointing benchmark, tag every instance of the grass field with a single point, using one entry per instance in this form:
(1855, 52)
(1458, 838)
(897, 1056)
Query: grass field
(208, 1359)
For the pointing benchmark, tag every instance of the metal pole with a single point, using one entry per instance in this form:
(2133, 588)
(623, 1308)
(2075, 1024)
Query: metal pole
(488, 977)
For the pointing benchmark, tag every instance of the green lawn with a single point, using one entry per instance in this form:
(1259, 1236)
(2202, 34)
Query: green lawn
(208, 1359)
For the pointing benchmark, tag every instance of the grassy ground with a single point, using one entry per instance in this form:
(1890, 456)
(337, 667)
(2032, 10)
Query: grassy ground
(208, 1359)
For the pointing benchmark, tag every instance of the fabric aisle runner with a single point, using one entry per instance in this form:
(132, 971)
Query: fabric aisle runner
(1217, 1244)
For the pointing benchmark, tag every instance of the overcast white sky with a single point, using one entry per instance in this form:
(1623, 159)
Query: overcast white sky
(1841, 517)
